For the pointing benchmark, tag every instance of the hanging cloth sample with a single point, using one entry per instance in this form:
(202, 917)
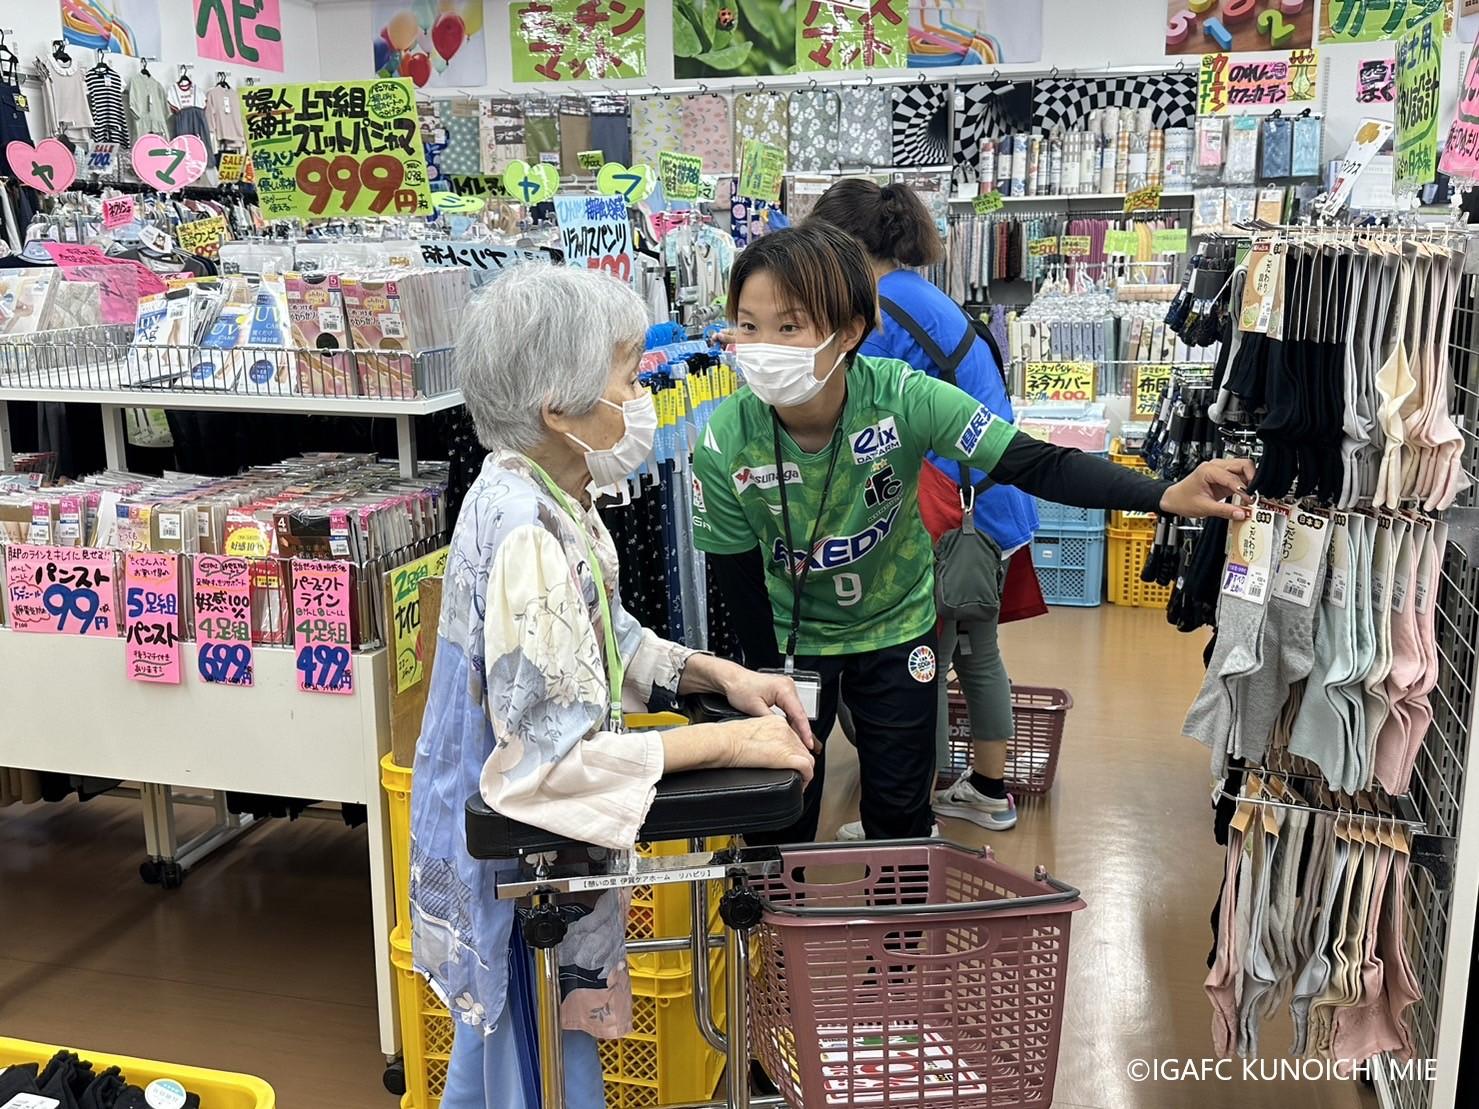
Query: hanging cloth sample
(500, 133)
(708, 132)
(462, 119)
(611, 128)
(575, 132)
(921, 125)
(763, 117)
(815, 124)
(542, 131)
(865, 129)
(657, 125)
(189, 119)
(68, 91)
(223, 114)
(105, 102)
(146, 107)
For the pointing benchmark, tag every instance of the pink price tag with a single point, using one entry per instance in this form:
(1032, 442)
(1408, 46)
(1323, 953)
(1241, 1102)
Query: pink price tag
(152, 603)
(61, 590)
(118, 211)
(321, 627)
(76, 254)
(223, 620)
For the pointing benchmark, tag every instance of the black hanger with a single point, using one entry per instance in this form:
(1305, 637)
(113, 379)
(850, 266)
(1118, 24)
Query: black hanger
(59, 51)
(144, 67)
(102, 63)
(221, 82)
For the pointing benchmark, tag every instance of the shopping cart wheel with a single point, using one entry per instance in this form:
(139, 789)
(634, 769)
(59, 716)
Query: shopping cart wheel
(760, 1082)
(149, 871)
(395, 1077)
(171, 875)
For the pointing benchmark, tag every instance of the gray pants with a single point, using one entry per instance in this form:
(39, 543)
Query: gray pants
(983, 679)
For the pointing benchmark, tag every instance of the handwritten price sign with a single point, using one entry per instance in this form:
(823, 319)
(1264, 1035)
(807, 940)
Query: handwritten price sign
(321, 625)
(152, 600)
(231, 166)
(118, 211)
(681, 174)
(1144, 200)
(761, 170)
(1150, 383)
(223, 620)
(405, 615)
(987, 203)
(1075, 246)
(1041, 248)
(61, 590)
(1171, 240)
(203, 236)
(1121, 242)
(1060, 381)
(595, 233)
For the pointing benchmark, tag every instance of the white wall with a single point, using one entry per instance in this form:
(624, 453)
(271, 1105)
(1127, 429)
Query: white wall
(31, 25)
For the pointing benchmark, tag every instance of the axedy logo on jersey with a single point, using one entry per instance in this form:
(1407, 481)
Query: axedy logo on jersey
(835, 553)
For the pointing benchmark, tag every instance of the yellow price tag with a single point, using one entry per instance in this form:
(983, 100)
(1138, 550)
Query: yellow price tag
(1075, 246)
(405, 615)
(987, 203)
(1060, 381)
(1041, 247)
(1150, 382)
(591, 160)
(231, 167)
(1144, 200)
(1172, 241)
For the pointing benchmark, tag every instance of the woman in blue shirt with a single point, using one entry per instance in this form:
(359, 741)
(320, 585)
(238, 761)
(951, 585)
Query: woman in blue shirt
(922, 326)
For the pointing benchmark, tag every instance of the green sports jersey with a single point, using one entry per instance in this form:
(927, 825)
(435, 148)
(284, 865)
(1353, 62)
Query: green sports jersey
(871, 582)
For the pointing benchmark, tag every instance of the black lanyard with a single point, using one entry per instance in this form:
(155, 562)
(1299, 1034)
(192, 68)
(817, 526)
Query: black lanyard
(798, 578)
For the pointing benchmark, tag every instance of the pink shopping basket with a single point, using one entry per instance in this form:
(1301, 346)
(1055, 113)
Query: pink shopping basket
(917, 973)
(1039, 714)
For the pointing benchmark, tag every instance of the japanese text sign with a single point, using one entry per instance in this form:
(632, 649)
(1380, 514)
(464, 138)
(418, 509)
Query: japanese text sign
(1040, 248)
(761, 170)
(1461, 151)
(852, 34)
(1121, 242)
(1371, 135)
(1376, 81)
(1225, 83)
(152, 606)
(595, 233)
(337, 148)
(1169, 240)
(61, 590)
(405, 615)
(1372, 20)
(680, 174)
(1150, 382)
(203, 236)
(1419, 59)
(578, 40)
(321, 626)
(1059, 381)
(245, 32)
(231, 166)
(118, 211)
(987, 203)
(484, 259)
(223, 620)
(1075, 246)
(590, 160)
(1147, 199)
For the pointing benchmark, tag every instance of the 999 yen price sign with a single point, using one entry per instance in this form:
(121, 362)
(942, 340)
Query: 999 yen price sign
(321, 627)
(337, 148)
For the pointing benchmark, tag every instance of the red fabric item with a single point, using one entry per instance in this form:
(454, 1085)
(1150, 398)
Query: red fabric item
(939, 508)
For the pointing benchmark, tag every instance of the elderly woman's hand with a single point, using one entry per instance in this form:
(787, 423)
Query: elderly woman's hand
(769, 743)
(758, 694)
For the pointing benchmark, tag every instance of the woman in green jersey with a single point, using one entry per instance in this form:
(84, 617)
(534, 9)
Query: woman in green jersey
(816, 463)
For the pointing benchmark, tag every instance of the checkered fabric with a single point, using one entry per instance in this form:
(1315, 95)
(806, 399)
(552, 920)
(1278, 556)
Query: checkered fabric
(921, 125)
(1066, 103)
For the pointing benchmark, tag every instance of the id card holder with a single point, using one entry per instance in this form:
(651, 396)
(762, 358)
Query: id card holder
(808, 689)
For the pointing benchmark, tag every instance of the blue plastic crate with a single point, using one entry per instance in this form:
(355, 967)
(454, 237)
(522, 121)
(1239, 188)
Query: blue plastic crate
(1070, 567)
(1055, 518)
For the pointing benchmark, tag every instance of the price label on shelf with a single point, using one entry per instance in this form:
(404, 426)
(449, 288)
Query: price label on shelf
(681, 174)
(1144, 200)
(1150, 381)
(152, 613)
(223, 620)
(405, 614)
(61, 590)
(1059, 381)
(987, 203)
(1039, 248)
(1172, 241)
(321, 625)
(590, 160)
(1075, 246)
(1121, 242)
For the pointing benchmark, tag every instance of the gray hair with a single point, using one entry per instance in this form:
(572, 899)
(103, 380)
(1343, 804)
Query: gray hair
(541, 334)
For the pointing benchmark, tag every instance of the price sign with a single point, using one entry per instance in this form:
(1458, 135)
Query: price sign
(230, 167)
(152, 613)
(1172, 241)
(1060, 381)
(1121, 242)
(987, 203)
(223, 620)
(118, 211)
(681, 174)
(595, 233)
(321, 627)
(61, 590)
(405, 615)
(761, 170)
(590, 160)
(337, 148)
(1144, 200)
(1075, 246)
(1040, 248)
(203, 236)
(1150, 382)
(100, 159)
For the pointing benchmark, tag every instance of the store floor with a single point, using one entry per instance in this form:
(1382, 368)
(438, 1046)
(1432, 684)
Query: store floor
(261, 962)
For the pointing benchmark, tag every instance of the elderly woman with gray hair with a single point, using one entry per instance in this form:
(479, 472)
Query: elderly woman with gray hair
(535, 659)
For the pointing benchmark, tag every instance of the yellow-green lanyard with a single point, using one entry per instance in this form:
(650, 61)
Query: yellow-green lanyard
(615, 668)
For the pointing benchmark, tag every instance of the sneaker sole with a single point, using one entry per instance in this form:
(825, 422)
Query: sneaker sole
(844, 837)
(973, 815)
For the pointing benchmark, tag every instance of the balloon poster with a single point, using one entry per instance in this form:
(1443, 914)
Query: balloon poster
(435, 43)
(244, 34)
(117, 26)
(578, 40)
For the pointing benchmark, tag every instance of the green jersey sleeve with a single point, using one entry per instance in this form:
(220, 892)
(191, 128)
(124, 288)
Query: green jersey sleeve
(719, 523)
(952, 423)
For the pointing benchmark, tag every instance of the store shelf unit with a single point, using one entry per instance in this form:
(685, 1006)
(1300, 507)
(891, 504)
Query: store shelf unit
(1072, 198)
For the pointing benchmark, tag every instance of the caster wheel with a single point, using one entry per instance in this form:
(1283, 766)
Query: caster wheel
(149, 871)
(395, 1078)
(760, 1082)
(171, 876)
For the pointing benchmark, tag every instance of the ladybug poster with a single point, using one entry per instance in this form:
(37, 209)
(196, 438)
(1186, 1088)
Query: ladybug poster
(578, 40)
(435, 43)
(734, 38)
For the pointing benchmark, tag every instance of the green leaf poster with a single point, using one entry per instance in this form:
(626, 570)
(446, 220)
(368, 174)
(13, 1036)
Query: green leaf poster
(734, 38)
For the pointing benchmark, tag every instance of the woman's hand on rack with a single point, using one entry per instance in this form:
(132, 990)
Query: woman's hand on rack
(769, 742)
(1205, 491)
(758, 694)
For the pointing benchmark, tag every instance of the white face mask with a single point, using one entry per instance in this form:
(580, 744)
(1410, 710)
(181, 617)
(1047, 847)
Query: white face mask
(614, 464)
(783, 376)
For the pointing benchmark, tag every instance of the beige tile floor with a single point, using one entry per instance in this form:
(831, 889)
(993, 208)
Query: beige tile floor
(261, 963)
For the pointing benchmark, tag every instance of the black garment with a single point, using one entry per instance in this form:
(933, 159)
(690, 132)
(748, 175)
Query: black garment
(894, 712)
(1071, 477)
(14, 128)
(740, 579)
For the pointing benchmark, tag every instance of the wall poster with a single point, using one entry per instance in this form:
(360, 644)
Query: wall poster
(117, 26)
(436, 44)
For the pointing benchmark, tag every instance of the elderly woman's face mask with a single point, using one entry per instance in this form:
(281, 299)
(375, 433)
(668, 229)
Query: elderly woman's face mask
(611, 465)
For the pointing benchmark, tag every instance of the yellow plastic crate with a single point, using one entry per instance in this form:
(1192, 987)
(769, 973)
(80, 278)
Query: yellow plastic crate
(1122, 457)
(662, 912)
(1127, 553)
(217, 1089)
(1132, 521)
(396, 781)
(665, 1060)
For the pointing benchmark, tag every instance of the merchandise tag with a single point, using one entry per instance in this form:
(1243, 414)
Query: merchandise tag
(1408, 551)
(1378, 560)
(31, 1101)
(1337, 576)
(1250, 555)
(1265, 273)
(321, 625)
(1302, 550)
(22, 102)
(164, 1093)
(152, 641)
(339, 534)
(808, 689)
(155, 239)
(223, 615)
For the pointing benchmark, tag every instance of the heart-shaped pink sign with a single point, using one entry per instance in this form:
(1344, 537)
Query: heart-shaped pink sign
(168, 164)
(48, 167)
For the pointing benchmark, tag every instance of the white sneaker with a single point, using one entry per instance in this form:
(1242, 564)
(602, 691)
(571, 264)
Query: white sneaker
(964, 801)
(851, 833)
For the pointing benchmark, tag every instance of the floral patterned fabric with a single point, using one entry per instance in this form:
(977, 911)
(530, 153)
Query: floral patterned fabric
(866, 135)
(517, 712)
(815, 117)
(707, 132)
(657, 124)
(464, 152)
(762, 116)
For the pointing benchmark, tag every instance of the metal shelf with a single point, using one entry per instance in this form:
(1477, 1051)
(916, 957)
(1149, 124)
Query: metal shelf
(290, 403)
(1070, 197)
